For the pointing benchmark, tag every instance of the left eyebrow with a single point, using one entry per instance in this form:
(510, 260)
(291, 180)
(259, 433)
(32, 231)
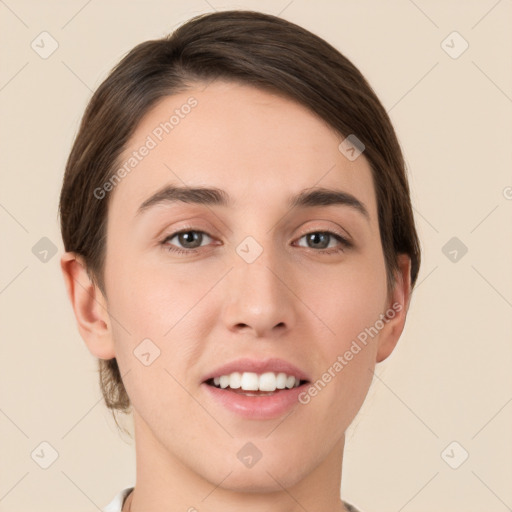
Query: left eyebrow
(213, 196)
(326, 197)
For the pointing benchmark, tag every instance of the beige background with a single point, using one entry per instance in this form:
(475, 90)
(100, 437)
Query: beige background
(450, 377)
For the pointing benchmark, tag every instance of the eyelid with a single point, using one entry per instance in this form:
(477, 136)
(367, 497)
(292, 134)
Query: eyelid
(342, 233)
(172, 231)
(165, 237)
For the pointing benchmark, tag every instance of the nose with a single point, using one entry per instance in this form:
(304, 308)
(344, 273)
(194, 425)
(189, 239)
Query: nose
(259, 297)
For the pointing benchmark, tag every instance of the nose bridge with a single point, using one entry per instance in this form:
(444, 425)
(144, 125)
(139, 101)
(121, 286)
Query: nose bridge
(257, 295)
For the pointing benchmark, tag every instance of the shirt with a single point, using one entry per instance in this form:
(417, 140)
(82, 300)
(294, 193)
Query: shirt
(116, 504)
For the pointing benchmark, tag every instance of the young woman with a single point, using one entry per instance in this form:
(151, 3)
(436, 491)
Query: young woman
(240, 253)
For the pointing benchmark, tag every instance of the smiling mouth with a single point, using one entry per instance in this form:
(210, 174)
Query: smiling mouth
(255, 392)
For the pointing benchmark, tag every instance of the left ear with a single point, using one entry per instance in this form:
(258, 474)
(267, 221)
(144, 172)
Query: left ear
(397, 309)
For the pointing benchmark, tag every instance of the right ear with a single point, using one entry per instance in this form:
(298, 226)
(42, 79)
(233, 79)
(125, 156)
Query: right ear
(89, 305)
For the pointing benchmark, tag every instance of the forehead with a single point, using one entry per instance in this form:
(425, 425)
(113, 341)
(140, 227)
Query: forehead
(257, 146)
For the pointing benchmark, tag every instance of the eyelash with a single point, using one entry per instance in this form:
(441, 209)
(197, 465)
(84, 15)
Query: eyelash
(345, 244)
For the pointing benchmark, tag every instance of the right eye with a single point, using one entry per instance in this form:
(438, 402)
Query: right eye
(185, 237)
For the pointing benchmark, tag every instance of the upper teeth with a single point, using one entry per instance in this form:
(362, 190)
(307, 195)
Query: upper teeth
(249, 381)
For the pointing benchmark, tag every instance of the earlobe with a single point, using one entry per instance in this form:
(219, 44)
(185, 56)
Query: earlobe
(89, 306)
(397, 309)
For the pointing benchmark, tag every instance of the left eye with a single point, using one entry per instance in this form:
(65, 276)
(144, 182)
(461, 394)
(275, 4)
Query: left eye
(321, 237)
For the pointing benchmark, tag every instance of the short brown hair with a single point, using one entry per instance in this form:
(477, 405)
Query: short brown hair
(252, 48)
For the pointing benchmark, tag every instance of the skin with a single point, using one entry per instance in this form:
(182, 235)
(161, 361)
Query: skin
(293, 302)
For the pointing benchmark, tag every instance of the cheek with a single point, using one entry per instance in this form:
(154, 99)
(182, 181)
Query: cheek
(153, 334)
(150, 300)
(163, 305)
(345, 355)
(347, 305)
(347, 299)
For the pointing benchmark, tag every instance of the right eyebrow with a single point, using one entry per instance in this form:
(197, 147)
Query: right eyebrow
(195, 195)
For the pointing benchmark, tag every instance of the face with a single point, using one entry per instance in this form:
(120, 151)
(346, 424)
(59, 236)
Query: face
(250, 277)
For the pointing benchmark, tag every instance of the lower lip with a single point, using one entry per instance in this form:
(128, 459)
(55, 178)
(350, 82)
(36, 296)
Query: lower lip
(262, 407)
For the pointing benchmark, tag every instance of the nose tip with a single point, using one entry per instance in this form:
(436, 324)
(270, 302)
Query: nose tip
(257, 299)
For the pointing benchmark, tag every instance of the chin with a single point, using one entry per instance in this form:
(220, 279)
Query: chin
(264, 476)
(259, 482)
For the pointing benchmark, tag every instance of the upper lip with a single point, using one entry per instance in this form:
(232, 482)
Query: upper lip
(257, 366)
